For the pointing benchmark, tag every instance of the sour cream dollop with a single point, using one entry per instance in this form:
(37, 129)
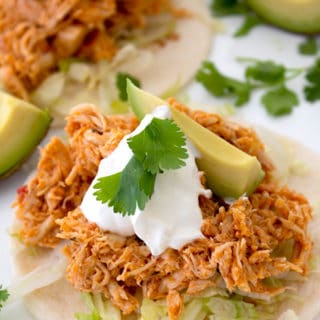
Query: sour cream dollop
(171, 218)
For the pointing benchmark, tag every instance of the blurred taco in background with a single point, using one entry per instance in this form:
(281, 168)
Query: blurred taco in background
(60, 53)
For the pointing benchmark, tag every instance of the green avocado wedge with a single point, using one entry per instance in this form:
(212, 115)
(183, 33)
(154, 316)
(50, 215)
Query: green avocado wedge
(22, 126)
(230, 172)
(302, 16)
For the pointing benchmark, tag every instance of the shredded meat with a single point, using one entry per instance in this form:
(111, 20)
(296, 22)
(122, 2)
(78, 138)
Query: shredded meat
(65, 172)
(35, 35)
(240, 241)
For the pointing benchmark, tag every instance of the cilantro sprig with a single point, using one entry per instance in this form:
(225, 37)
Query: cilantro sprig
(259, 74)
(220, 85)
(4, 295)
(160, 146)
(121, 84)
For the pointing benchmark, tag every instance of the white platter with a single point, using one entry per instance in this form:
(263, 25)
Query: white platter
(263, 43)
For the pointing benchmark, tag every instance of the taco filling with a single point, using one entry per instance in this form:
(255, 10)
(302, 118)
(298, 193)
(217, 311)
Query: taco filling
(36, 35)
(252, 248)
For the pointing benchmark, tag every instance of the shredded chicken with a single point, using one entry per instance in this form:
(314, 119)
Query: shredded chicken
(35, 35)
(65, 172)
(240, 241)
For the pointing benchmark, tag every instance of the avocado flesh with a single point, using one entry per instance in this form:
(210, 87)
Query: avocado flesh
(230, 172)
(301, 16)
(22, 126)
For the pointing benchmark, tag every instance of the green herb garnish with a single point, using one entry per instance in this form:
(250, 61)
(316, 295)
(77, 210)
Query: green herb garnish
(222, 86)
(312, 90)
(259, 75)
(265, 72)
(4, 295)
(280, 101)
(250, 21)
(309, 46)
(121, 83)
(160, 146)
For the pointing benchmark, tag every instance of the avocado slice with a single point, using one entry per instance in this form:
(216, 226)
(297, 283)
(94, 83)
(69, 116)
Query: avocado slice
(301, 16)
(22, 126)
(230, 172)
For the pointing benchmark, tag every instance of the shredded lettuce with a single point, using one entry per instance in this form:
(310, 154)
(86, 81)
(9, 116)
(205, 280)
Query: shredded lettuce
(153, 310)
(49, 91)
(100, 308)
(284, 249)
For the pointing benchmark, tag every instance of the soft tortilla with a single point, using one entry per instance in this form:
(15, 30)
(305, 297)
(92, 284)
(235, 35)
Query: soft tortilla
(60, 301)
(179, 60)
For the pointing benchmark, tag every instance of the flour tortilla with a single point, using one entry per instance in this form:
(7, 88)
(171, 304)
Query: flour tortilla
(179, 60)
(60, 301)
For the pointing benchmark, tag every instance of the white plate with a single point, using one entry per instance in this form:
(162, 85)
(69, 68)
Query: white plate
(264, 43)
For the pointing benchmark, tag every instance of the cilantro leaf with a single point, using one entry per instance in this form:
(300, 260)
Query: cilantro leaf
(166, 153)
(107, 187)
(267, 72)
(280, 101)
(227, 7)
(313, 73)
(250, 21)
(126, 190)
(222, 86)
(309, 46)
(160, 146)
(121, 83)
(4, 295)
(312, 90)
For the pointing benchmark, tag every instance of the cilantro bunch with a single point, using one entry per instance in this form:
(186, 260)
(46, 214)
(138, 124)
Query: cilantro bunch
(159, 147)
(259, 74)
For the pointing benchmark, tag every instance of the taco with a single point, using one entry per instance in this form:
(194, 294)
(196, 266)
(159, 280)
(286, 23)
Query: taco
(60, 53)
(257, 257)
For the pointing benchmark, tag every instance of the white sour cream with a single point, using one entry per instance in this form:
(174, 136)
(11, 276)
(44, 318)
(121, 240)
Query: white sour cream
(171, 218)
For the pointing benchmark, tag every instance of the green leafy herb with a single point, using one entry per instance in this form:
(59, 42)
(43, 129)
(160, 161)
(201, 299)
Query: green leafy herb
(280, 101)
(121, 83)
(4, 295)
(266, 72)
(220, 85)
(312, 89)
(126, 190)
(166, 153)
(160, 146)
(227, 7)
(309, 46)
(259, 74)
(251, 20)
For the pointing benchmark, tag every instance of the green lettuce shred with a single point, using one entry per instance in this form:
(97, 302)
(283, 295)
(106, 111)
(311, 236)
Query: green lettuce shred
(99, 308)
